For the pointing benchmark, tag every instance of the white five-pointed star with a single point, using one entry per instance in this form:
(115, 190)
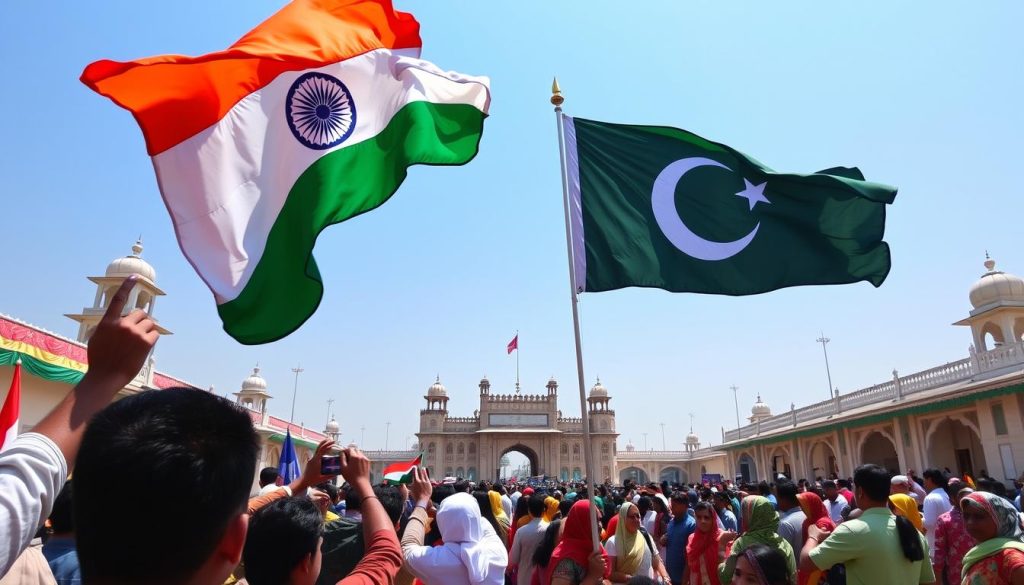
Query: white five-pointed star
(754, 194)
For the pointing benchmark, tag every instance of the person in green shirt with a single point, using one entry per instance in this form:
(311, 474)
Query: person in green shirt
(877, 547)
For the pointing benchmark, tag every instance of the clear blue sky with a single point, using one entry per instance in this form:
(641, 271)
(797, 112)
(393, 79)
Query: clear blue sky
(923, 96)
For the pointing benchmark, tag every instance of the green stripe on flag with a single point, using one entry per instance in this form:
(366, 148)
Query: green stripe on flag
(285, 288)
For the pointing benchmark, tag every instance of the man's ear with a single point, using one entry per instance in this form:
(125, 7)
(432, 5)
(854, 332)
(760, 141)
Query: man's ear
(233, 541)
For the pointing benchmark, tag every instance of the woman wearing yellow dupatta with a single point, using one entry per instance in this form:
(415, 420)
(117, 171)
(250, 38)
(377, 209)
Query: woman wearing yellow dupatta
(550, 509)
(761, 523)
(630, 550)
(504, 523)
(904, 505)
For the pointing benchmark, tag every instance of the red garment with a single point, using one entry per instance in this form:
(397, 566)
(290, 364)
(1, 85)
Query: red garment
(951, 544)
(704, 544)
(816, 512)
(610, 530)
(381, 563)
(850, 498)
(576, 543)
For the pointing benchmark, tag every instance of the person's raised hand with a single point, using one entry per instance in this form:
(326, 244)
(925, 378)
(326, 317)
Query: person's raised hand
(320, 499)
(817, 533)
(311, 475)
(421, 486)
(355, 468)
(119, 345)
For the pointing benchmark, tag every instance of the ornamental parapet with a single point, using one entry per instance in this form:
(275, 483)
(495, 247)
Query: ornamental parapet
(894, 390)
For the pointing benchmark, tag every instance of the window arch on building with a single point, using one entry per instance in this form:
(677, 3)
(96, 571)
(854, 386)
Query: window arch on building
(564, 474)
(576, 449)
(577, 474)
(472, 448)
(460, 472)
(448, 449)
(462, 449)
(431, 448)
(471, 474)
(565, 449)
(604, 448)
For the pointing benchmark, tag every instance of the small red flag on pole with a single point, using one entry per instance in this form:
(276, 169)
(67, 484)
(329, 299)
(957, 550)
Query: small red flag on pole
(514, 344)
(11, 409)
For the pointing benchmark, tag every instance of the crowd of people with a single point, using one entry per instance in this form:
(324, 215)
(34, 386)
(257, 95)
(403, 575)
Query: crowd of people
(161, 494)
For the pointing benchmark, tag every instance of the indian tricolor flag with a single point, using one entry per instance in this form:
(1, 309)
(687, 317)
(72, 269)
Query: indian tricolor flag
(401, 472)
(310, 119)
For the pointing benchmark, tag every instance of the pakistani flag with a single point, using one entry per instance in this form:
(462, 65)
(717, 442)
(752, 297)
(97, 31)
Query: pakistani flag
(660, 207)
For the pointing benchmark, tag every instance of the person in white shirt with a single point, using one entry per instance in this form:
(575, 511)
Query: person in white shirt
(34, 467)
(834, 500)
(936, 503)
(526, 540)
(647, 513)
(905, 484)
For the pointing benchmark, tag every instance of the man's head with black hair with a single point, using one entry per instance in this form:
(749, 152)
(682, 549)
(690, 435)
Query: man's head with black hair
(268, 475)
(934, 478)
(644, 504)
(331, 490)
(441, 492)
(785, 494)
(284, 541)
(872, 484)
(391, 498)
(461, 486)
(191, 451)
(535, 505)
(764, 489)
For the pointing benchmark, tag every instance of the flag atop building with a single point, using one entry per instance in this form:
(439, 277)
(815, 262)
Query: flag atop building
(659, 207)
(513, 345)
(310, 119)
(11, 412)
(402, 471)
(288, 467)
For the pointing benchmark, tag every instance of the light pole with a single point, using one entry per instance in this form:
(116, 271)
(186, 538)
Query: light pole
(645, 441)
(362, 436)
(387, 433)
(736, 400)
(663, 437)
(298, 370)
(824, 341)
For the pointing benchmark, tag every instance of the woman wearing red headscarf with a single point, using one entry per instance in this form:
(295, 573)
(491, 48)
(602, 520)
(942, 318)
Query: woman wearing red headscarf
(703, 552)
(574, 561)
(817, 514)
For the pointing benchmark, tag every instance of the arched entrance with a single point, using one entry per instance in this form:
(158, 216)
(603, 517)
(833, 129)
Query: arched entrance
(954, 445)
(823, 460)
(746, 468)
(634, 473)
(780, 463)
(672, 474)
(878, 449)
(517, 461)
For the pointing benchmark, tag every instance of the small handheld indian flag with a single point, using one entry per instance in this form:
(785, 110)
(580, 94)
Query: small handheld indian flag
(310, 119)
(401, 472)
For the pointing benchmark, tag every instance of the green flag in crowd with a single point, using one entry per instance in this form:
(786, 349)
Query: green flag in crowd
(660, 207)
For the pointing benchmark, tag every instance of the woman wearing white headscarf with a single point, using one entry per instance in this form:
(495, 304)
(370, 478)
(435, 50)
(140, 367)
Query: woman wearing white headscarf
(472, 553)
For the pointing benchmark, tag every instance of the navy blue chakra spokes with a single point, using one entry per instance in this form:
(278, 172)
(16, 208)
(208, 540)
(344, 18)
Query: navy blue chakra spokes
(320, 111)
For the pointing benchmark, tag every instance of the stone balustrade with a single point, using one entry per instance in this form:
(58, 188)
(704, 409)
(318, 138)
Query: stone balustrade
(896, 389)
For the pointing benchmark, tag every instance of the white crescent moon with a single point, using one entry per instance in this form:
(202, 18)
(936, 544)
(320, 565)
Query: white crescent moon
(663, 201)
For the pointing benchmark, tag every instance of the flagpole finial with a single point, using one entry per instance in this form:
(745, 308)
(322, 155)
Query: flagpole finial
(556, 93)
(18, 363)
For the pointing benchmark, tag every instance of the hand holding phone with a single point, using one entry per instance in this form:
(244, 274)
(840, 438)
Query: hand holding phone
(330, 465)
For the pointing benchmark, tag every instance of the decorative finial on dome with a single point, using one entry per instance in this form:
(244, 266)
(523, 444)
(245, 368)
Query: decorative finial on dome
(990, 264)
(137, 247)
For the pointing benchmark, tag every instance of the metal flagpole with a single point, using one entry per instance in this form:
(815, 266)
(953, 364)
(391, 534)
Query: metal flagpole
(298, 370)
(517, 361)
(588, 451)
